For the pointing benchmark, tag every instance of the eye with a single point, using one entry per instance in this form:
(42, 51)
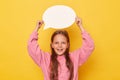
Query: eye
(56, 42)
(63, 43)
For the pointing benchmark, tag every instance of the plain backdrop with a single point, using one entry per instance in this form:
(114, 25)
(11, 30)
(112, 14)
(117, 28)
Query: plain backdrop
(100, 18)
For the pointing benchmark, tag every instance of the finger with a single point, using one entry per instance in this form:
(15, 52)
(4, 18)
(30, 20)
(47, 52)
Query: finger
(40, 22)
(76, 17)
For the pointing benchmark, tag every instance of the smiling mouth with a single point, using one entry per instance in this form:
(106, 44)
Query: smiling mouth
(60, 50)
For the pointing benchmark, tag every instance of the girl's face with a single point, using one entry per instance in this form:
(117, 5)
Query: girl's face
(60, 44)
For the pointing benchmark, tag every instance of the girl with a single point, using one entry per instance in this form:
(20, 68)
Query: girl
(60, 65)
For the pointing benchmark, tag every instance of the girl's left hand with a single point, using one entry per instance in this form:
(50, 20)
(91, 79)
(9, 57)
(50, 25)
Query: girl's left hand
(78, 21)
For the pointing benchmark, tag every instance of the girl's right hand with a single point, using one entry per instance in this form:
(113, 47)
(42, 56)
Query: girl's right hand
(38, 25)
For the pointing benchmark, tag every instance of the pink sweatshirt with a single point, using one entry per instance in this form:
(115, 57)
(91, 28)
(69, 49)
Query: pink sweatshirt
(42, 59)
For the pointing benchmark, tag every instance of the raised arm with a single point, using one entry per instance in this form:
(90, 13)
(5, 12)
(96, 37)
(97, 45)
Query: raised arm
(33, 47)
(79, 23)
(82, 54)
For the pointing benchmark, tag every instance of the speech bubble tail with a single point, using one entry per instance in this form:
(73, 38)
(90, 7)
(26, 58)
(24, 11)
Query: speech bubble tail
(45, 27)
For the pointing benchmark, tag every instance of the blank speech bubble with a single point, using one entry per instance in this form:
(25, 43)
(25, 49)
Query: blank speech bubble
(58, 17)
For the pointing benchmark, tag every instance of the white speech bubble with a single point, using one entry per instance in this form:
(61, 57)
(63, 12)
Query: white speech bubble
(58, 16)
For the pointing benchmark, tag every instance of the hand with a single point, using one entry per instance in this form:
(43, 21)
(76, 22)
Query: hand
(78, 21)
(38, 25)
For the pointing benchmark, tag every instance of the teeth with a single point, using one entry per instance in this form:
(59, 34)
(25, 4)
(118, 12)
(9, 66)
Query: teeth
(59, 49)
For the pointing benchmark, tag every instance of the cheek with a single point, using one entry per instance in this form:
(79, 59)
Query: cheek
(66, 46)
(53, 45)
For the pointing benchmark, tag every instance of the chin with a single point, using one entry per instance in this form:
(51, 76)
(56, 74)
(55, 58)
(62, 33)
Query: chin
(60, 53)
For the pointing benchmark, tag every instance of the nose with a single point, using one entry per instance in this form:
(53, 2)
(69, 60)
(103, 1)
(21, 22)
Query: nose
(60, 45)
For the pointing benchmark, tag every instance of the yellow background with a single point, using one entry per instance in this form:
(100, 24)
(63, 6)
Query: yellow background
(101, 18)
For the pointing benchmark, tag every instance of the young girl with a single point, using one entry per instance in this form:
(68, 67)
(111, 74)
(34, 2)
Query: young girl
(60, 65)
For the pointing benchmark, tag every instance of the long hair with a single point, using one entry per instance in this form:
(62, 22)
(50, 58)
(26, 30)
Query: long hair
(54, 62)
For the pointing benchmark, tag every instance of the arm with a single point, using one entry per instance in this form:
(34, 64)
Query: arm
(87, 47)
(79, 23)
(33, 48)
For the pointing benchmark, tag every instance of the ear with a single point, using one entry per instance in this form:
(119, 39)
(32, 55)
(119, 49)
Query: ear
(51, 45)
(68, 46)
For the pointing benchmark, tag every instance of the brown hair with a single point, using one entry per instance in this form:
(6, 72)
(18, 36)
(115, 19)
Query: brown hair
(54, 62)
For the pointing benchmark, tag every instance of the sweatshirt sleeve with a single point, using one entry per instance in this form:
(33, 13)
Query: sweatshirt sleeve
(82, 54)
(38, 56)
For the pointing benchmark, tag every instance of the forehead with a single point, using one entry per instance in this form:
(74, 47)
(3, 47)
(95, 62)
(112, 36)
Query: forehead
(59, 37)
